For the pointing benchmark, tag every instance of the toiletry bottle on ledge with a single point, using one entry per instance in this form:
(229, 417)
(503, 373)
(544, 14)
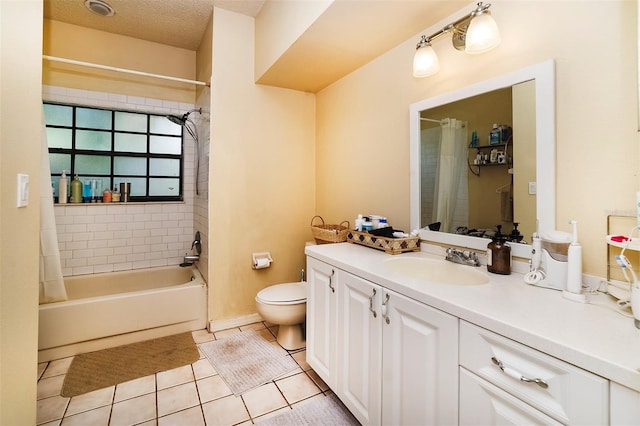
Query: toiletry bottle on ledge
(76, 190)
(62, 188)
(115, 195)
(494, 135)
(106, 195)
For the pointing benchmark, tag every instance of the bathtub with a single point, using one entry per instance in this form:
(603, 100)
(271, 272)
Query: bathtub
(116, 308)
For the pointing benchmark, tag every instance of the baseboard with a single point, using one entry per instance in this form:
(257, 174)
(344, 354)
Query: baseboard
(234, 322)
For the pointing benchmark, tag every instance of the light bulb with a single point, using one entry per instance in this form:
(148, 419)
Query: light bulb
(425, 62)
(482, 34)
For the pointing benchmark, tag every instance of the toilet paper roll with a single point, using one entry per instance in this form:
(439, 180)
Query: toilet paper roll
(262, 263)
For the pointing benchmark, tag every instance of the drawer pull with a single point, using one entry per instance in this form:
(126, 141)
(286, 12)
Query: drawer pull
(375, 315)
(384, 309)
(513, 373)
(333, 290)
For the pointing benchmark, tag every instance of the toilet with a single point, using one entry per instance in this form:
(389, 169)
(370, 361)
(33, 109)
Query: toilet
(286, 306)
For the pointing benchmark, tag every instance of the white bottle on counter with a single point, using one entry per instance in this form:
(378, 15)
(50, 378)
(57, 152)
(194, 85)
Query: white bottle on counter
(62, 189)
(358, 223)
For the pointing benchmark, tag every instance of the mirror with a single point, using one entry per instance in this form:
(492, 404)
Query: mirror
(542, 75)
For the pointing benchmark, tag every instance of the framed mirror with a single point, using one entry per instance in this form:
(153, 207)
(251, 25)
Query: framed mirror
(543, 184)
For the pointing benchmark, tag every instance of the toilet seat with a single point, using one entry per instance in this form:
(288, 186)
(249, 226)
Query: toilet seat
(283, 294)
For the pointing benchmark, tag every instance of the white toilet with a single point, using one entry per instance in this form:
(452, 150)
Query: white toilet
(286, 306)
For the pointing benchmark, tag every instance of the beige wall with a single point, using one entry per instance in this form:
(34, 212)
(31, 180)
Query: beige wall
(262, 173)
(363, 125)
(98, 47)
(20, 134)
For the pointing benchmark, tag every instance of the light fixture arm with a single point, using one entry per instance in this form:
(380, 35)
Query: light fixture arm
(458, 28)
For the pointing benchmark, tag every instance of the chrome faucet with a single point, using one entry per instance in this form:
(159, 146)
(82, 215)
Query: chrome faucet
(464, 258)
(190, 258)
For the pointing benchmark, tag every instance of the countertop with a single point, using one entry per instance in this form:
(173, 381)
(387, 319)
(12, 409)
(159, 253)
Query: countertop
(591, 335)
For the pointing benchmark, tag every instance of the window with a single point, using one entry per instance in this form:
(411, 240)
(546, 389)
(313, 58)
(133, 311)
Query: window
(106, 147)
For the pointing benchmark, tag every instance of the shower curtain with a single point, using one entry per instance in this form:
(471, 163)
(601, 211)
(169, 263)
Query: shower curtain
(452, 166)
(51, 281)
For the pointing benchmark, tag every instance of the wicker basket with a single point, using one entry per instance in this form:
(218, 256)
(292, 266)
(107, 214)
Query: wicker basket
(325, 234)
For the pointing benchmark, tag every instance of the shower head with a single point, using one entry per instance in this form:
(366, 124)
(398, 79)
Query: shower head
(181, 121)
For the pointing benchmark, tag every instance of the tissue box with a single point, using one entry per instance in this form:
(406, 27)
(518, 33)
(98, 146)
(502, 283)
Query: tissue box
(389, 245)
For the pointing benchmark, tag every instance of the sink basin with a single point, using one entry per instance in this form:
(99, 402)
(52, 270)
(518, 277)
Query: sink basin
(437, 271)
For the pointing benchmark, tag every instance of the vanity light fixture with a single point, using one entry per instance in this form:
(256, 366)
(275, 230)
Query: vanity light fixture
(475, 33)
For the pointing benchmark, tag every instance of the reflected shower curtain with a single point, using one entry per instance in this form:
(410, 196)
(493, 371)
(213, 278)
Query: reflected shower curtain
(452, 166)
(51, 281)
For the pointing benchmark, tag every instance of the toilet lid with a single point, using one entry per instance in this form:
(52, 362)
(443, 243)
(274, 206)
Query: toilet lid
(284, 294)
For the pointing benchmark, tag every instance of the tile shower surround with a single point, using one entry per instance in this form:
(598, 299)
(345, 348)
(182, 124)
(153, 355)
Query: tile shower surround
(95, 238)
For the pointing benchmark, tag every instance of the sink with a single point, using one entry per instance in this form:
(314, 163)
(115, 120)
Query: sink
(438, 271)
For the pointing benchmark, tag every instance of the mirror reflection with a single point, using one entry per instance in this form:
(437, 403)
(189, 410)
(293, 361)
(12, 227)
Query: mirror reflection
(477, 165)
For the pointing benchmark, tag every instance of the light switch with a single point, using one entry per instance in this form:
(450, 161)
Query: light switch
(533, 188)
(23, 190)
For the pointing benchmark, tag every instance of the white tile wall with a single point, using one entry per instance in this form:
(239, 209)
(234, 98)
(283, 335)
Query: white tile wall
(96, 238)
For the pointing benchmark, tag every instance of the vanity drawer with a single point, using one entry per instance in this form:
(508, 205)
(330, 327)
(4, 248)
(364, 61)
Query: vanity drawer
(482, 403)
(571, 395)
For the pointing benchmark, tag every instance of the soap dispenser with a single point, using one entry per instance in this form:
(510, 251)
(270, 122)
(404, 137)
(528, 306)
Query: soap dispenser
(499, 254)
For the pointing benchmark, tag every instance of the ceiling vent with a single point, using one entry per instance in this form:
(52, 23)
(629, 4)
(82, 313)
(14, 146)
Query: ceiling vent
(99, 7)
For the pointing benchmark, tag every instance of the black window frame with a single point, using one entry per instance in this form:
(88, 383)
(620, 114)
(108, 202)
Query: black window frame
(112, 153)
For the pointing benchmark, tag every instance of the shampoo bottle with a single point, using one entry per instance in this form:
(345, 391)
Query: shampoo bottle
(76, 190)
(62, 188)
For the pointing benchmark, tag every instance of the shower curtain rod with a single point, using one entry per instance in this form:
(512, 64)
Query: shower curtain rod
(124, 70)
(432, 120)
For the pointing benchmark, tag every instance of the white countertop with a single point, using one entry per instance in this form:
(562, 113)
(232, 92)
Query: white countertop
(591, 336)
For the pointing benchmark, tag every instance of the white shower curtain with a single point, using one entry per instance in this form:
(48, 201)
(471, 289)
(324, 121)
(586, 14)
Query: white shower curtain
(451, 169)
(51, 281)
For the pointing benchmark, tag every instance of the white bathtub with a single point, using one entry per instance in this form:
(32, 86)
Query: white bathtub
(111, 309)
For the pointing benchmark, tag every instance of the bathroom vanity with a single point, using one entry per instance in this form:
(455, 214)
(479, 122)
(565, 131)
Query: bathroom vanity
(402, 346)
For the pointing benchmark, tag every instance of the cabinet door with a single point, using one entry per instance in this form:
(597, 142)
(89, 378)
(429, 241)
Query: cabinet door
(360, 341)
(321, 320)
(625, 405)
(420, 363)
(482, 403)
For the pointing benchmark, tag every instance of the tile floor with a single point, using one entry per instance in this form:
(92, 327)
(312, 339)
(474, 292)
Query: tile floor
(190, 395)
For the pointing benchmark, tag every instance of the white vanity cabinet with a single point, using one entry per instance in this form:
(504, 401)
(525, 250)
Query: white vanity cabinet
(420, 363)
(321, 320)
(505, 382)
(390, 359)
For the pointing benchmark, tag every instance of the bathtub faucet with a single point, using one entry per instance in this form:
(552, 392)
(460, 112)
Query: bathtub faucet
(190, 258)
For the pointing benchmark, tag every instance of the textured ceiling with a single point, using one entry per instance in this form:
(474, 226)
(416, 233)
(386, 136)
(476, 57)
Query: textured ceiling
(178, 23)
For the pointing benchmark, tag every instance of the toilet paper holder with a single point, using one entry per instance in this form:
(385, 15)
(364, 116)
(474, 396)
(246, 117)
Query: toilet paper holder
(261, 260)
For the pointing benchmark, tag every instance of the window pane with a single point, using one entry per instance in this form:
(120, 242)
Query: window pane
(89, 139)
(138, 186)
(164, 167)
(165, 145)
(160, 124)
(131, 122)
(93, 118)
(58, 115)
(130, 166)
(60, 162)
(165, 187)
(58, 138)
(130, 143)
(92, 164)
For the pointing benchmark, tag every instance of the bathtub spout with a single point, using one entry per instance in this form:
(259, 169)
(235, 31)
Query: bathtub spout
(191, 258)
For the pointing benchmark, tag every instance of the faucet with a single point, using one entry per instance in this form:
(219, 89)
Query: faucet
(465, 258)
(190, 258)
